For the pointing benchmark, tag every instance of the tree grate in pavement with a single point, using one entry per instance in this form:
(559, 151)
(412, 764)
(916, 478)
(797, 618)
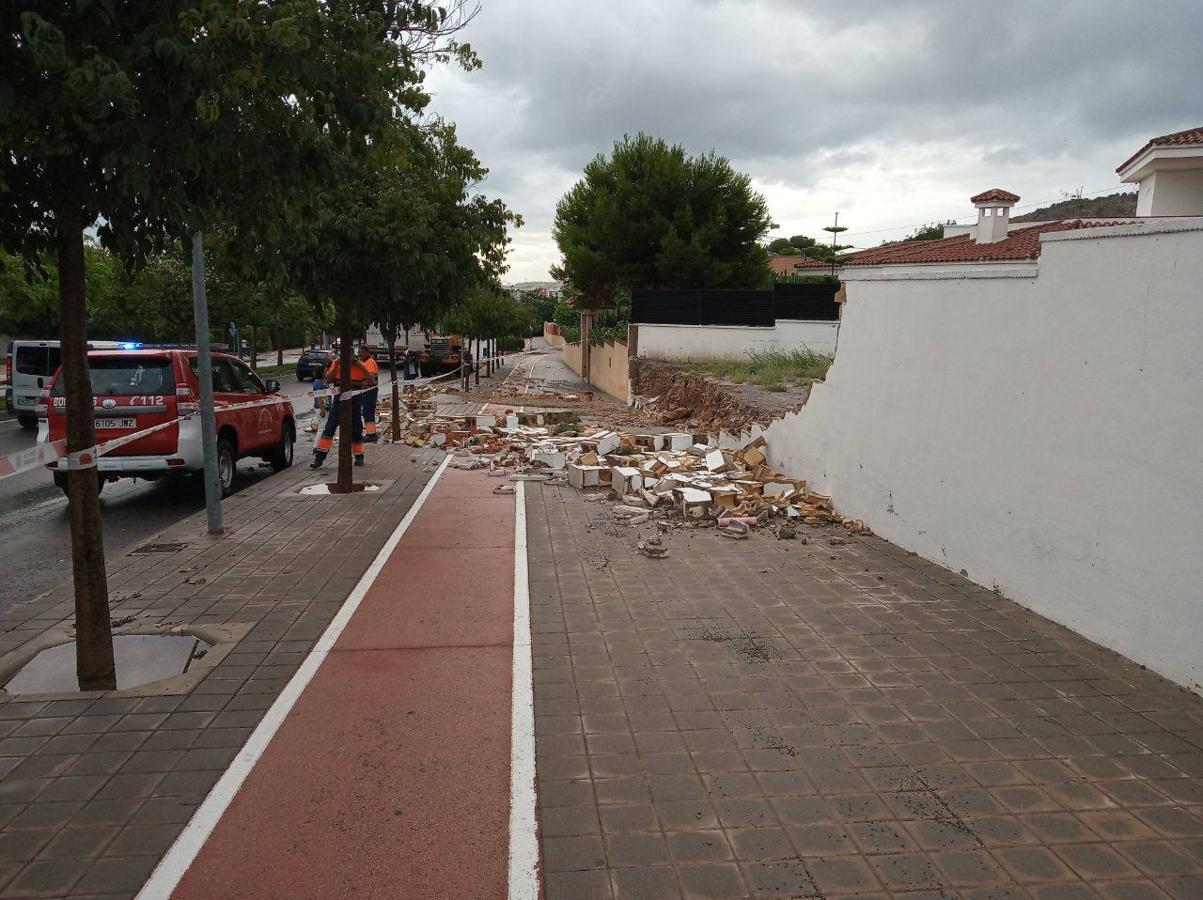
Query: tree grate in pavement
(159, 547)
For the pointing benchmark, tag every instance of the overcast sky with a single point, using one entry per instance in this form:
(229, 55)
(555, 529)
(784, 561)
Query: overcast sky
(892, 112)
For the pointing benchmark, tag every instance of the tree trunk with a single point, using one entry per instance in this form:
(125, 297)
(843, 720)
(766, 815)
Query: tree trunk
(346, 356)
(476, 363)
(93, 632)
(279, 339)
(254, 347)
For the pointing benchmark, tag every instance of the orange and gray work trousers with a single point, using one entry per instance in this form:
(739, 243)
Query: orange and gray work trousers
(368, 409)
(326, 441)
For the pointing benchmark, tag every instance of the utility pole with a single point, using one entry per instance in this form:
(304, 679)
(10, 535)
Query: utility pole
(204, 374)
(835, 229)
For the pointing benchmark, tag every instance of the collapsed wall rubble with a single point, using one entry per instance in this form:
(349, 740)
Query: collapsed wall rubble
(670, 393)
(672, 479)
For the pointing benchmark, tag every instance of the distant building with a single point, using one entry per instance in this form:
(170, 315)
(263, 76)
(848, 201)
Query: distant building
(543, 288)
(1169, 171)
(797, 265)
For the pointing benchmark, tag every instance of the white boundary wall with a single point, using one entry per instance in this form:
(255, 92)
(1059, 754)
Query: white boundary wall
(698, 342)
(1037, 424)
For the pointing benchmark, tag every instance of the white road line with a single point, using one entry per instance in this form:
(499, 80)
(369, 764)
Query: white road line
(524, 841)
(171, 868)
(505, 381)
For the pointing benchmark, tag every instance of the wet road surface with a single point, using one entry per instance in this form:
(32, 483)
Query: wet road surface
(35, 544)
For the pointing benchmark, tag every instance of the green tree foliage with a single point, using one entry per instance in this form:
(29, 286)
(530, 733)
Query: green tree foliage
(156, 118)
(611, 324)
(650, 216)
(542, 306)
(568, 317)
(1120, 205)
(799, 244)
(932, 232)
(154, 301)
(488, 313)
(398, 237)
(29, 294)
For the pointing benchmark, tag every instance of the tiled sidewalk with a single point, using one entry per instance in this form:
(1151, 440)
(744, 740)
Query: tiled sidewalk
(93, 791)
(774, 718)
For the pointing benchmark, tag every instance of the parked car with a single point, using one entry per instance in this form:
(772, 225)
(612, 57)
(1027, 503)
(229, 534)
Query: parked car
(30, 366)
(136, 389)
(312, 364)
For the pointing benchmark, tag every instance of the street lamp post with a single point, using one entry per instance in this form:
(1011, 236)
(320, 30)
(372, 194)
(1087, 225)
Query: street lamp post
(204, 374)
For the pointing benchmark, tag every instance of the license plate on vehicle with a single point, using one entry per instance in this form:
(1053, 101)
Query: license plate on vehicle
(116, 423)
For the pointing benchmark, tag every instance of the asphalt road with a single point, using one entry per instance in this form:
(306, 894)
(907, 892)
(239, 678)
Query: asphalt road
(35, 545)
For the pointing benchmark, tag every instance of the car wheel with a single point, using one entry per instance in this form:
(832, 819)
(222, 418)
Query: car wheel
(281, 455)
(60, 480)
(226, 465)
(28, 422)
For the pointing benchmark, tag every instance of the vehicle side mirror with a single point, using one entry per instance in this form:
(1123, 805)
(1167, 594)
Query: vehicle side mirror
(272, 385)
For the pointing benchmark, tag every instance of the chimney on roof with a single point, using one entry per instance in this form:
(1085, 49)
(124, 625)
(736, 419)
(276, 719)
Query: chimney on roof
(993, 214)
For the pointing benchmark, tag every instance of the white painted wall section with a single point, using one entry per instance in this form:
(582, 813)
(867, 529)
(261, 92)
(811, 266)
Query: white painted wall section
(1042, 430)
(1171, 193)
(699, 342)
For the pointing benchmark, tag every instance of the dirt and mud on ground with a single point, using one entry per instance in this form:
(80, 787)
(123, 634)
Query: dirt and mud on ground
(669, 393)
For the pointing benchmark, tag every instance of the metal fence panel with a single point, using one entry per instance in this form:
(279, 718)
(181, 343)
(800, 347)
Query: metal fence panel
(814, 302)
(689, 306)
(736, 307)
(665, 307)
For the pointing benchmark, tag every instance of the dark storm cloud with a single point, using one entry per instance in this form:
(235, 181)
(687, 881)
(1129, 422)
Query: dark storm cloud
(792, 90)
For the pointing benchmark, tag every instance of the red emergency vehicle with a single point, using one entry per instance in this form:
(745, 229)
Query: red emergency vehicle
(140, 388)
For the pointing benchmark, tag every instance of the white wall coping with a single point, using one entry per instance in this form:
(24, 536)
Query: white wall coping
(1011, 268)
(1129, 229)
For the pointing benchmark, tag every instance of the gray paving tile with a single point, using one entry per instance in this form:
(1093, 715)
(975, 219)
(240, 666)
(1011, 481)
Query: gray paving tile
(898, 729)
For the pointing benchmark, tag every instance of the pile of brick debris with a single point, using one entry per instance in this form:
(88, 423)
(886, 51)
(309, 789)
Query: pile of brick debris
(674, 479)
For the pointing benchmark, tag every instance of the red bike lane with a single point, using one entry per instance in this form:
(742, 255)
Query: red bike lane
(390, 776)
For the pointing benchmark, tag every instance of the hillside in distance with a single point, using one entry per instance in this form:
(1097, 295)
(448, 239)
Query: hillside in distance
(1119, 204)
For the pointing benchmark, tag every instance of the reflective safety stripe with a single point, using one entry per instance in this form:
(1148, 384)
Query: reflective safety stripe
(325, 443)
(357, 448)
(371, 426)
(82, 459)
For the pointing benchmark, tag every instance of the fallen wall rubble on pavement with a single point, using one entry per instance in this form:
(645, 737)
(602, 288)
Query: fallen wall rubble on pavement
(667, 480)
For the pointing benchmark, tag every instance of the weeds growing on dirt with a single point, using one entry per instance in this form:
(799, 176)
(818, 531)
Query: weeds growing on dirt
(773, 370)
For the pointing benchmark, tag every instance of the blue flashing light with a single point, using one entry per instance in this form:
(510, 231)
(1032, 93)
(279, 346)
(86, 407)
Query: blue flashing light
(131, 345)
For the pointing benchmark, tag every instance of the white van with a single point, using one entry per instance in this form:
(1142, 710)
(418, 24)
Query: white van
(31, 366)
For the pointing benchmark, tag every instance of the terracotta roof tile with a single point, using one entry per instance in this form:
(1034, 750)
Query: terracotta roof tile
(995, 194)
(1019, 244)
(1178, 138)
(786, 265)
